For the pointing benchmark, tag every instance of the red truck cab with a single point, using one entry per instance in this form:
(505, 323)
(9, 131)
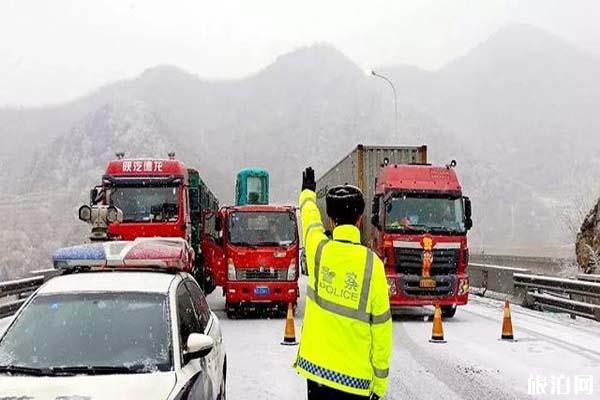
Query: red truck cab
(151, 193)
(252, 251)
(419, 229)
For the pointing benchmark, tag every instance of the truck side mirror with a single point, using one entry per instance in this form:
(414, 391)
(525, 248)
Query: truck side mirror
(468, 213)
(375, 211)
(218, 223)
(96, 195)
(93, 196)
(303, 266)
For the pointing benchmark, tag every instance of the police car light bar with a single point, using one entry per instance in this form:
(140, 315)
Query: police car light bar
(162, 253)
(87, 255)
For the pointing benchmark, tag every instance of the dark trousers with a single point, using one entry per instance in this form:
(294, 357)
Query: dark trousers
(320, 392)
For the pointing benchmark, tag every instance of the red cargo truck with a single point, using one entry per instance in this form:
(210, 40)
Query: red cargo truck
(252, 252)
(151, 197)
(417, 222)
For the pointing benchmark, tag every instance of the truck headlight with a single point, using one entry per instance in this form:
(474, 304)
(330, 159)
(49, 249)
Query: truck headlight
(231, 270)
(291, 275)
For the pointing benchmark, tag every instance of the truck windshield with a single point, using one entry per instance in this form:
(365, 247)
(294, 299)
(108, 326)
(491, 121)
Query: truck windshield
(425, 213)
(105, 330)
(146, 203)
(262, 228)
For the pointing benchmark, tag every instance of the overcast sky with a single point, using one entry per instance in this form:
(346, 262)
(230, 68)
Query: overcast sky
(55, 50)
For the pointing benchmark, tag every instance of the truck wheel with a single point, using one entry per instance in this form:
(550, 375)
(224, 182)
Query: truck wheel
(448, 311)
(283, 308)
(232, 310)
(209, 287)
(206, 282)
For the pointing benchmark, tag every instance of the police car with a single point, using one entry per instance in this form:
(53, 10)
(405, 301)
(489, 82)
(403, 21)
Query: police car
(124, 321)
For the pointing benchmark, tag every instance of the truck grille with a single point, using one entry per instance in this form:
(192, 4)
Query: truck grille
(410, 261)
(255, 274)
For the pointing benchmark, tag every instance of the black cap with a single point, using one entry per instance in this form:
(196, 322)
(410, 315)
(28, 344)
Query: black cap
(345, 204)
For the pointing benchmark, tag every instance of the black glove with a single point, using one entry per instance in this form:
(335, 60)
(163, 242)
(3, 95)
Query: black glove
(374, 397)
(308, 179)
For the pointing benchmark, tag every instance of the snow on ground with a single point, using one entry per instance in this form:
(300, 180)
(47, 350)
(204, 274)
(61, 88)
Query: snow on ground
(474, 364)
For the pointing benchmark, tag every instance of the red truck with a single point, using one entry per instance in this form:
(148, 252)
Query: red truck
(154, 198)
(252, 252)
(417, 222)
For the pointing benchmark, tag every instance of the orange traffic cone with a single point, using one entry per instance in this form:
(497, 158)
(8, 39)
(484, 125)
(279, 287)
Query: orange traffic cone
(437, 333)
(507, 329)
(289, 337)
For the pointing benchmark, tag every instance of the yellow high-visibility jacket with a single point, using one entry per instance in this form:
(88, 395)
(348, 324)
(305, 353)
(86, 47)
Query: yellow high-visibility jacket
(346, 339)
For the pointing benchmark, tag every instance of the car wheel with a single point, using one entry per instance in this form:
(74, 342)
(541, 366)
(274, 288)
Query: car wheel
(448, 311)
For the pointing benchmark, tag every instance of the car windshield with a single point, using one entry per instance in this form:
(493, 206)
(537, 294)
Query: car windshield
(262, 228)
(113, 330)
(424, 213)
(146, 203)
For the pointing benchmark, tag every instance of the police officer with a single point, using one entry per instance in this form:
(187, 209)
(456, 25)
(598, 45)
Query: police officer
(346, 338)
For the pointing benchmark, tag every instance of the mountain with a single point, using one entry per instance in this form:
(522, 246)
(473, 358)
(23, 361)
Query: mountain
(525, 89)
(517, 112)
(522, 102)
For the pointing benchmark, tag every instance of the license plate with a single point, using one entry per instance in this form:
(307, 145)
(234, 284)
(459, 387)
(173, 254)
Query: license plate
(261, 291)
(427, 283)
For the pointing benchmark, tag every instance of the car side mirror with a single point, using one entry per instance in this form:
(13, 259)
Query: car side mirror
(218, 224)
(198, 346)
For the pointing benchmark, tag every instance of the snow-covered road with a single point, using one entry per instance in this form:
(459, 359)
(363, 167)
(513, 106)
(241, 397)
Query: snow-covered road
(473, 364)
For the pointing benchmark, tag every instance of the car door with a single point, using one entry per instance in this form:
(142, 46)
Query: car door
(194, 374)
(210, 326)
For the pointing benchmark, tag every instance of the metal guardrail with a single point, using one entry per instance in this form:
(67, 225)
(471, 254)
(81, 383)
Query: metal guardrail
(14, 293)
(495, 278)
(572, 307)
(578, 296)
(589, 277)
(560, 294)
(11, 307)
(541, 265)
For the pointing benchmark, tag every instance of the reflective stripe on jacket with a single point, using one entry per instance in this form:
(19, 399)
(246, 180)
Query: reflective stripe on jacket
(347, 330)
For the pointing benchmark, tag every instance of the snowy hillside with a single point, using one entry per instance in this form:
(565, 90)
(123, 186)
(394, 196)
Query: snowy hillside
(519, 134)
